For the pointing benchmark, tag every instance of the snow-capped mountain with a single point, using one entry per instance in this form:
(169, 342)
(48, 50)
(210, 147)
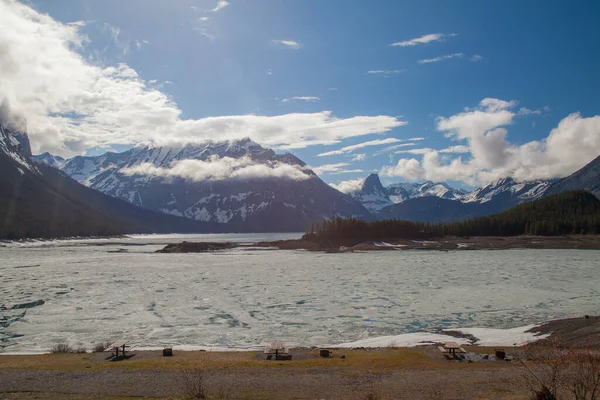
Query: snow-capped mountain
(275, 203)
(372, 194)
(399, 192)
(38, 201)
(508, 189)
(49, 159)
(444, 205)
(15, 145)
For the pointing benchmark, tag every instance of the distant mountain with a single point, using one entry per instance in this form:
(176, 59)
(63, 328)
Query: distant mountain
(49, 159)
(37, 201)
(432, 209)
(508, 190)
(250, 204)
(492, 198)
(436, 189)
(372, 194)
(489, 199)
(587, 178)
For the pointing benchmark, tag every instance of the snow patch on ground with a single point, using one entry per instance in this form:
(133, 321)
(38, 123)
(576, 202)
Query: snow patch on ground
(402, 340)
(503, 337)
(486, 337)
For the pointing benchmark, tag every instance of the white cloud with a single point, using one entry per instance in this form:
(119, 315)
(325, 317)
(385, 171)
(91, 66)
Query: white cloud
(221, 4)
(349, 149)
(476, 57)
(441, 58)
(290, 44)
(320, 170)
(71, 105)
(114, 32)
(398, 146)
(385, 72)
(218, 169)
(527, 111)
(432, 37)
(301, 98)
(348, 186)
(359, 157)
(568, 147)
(425, 150)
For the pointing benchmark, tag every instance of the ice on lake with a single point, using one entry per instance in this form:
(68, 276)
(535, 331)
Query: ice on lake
(85, 291)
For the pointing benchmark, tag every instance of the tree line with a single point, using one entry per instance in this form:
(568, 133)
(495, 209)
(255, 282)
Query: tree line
(575, 212)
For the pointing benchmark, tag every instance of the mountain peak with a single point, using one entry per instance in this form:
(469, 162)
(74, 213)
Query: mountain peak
(372, 184)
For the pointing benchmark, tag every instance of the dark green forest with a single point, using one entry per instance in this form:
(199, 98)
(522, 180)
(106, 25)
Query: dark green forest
(575, 212)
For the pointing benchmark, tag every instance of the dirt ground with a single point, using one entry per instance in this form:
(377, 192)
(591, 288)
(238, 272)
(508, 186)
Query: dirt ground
(389, 373)
(421, 373)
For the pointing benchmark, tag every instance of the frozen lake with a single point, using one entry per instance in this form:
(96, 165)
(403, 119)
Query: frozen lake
(86, 291)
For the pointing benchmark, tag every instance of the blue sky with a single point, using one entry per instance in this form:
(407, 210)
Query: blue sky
(538, 60)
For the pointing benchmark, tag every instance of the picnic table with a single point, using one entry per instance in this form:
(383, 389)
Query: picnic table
(116, 346)
(275, 347)
(452, 347)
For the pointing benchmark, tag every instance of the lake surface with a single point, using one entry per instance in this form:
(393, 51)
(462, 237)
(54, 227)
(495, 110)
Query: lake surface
(95, 290)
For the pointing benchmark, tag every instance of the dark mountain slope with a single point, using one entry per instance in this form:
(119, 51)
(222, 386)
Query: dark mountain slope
(587, 178)
(41, 202)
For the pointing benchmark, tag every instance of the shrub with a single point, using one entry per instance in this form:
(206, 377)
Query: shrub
(61, 348)
(101, 346)
(192, 383)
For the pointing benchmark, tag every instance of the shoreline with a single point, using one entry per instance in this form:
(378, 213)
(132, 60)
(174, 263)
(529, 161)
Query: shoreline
(449, 243)
(581, 331)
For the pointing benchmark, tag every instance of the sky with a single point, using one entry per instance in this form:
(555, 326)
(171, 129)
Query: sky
(465, 92)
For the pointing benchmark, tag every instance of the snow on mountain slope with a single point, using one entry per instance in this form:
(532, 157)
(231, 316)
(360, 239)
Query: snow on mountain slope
(251, 202)
(49, 159)
(400, 192)
(372, 194)
(508, 187)
(16, 146)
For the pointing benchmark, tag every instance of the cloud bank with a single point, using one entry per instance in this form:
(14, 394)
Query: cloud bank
(70, 104)
(568, 147)
(218, 169)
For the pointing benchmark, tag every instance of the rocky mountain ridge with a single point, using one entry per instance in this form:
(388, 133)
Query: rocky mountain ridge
(255, 203)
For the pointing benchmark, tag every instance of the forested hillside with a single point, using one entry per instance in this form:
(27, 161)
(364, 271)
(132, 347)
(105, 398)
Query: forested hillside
(575, 212)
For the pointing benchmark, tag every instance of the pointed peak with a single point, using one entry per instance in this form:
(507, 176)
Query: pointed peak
(372, 184)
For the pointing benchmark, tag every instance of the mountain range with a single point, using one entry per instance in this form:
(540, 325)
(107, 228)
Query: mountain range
(39, 201)
(137, 191)
(256, 203)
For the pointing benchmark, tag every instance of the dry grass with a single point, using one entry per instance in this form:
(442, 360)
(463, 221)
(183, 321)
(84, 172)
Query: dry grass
(373, 374)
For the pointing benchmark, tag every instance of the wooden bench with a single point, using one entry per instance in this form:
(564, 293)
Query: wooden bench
(442, 350)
